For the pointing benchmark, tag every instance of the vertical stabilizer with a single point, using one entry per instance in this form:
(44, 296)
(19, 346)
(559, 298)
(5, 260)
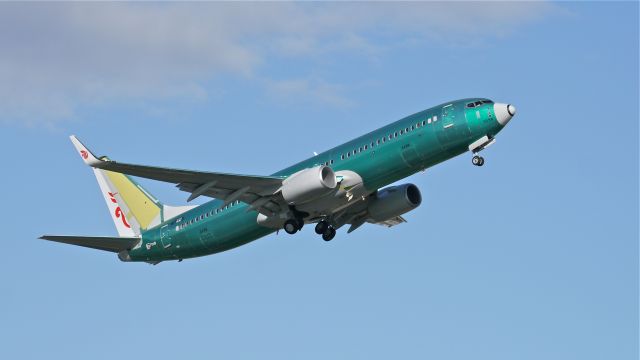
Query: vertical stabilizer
(131, 207)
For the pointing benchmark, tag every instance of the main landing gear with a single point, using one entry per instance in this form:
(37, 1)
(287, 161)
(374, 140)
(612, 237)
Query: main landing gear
(477, 160)
(292, 226)
(327, 231)
(323, 228)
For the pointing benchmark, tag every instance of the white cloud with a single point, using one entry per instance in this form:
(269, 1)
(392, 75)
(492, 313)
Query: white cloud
(56, 57)
(307, 90)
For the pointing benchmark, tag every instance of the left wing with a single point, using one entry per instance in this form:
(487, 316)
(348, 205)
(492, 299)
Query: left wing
(257, 191)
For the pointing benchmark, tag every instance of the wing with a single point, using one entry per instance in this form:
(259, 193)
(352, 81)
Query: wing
(106, 243)
(257, 191)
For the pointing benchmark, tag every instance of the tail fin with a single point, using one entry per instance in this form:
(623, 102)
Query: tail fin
(132, 208)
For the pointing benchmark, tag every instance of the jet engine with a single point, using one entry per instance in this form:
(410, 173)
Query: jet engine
(308, 184)
(394, 201)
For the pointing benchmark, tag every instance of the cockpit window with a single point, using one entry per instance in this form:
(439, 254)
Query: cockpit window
(478, 103)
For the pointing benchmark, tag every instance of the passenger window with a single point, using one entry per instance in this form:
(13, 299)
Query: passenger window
(435, 118)
(365, 147)
(400, 132)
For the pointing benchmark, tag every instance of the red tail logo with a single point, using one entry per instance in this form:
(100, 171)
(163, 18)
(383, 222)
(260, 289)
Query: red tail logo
(84, 154)
(118, 212)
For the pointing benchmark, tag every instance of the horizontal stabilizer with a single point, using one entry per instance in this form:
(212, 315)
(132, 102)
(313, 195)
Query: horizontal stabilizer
(106, 243)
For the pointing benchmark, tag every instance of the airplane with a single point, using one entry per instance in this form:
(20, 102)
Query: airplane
(345, 185)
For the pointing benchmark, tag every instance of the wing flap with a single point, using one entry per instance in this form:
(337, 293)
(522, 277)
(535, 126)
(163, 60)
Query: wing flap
(106, 243)
(397, 220)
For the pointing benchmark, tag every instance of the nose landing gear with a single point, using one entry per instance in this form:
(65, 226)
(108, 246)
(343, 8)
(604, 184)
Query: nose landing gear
(477, 160)
(479, 145)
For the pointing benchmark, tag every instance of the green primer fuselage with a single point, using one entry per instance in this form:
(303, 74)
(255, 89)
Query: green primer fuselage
(402, 154)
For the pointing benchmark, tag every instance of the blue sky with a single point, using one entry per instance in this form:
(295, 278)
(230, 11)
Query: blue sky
(533, 256)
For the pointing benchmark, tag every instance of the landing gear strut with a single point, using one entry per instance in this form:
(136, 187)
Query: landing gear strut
(477, 160)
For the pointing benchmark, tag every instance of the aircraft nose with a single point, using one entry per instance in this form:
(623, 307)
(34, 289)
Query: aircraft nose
(504, 113)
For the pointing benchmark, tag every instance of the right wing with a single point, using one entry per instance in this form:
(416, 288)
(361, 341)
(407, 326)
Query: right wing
(257, 191)
(106, 243)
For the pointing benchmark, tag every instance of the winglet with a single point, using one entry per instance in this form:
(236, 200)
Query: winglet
(87, 156)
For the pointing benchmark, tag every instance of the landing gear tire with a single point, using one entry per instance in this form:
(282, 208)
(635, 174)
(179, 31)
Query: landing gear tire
(291, 226)
(300, 223)
(329, 233)
(477, 160)
(321, 227)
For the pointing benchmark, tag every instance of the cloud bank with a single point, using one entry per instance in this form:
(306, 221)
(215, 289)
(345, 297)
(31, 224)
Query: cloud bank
(58, 57)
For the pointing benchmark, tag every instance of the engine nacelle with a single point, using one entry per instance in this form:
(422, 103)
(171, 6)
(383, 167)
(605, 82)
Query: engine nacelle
(394, 201)
(308, 184)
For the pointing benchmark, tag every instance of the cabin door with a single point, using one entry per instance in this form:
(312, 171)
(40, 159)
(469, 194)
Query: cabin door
(446, 125)
(165, 237)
